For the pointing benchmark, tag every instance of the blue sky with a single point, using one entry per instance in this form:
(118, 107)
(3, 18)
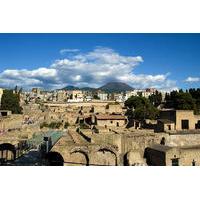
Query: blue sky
(164, 61)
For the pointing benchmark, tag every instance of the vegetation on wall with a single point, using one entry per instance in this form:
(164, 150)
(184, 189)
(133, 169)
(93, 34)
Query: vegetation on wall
(52, 125)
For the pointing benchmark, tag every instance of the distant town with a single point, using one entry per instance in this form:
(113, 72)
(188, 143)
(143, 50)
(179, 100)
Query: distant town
(113, 91)
(114, 125)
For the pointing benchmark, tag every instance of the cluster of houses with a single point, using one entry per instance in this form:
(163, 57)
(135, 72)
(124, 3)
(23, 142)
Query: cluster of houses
(83, 96)
(63, 96)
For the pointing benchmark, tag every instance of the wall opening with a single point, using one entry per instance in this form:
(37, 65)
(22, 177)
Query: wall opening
(162, 142)
(125, 159)
(54, 159)
(185, 124)
(137, 124)
(175, 162)
(193, 163)
(197, 125)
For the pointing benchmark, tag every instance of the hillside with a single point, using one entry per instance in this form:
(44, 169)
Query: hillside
(115, 87)
(108, 87)
(70, 87)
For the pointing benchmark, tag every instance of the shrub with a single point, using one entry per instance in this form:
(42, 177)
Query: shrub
(52, 125)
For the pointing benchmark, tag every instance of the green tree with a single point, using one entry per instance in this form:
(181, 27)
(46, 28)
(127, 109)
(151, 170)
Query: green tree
(170, 99)
(20, 91)
(95, 96)
(184, 101)
(141, 108)
(196, 96)
(16, 89)
(180, 100)
(135, 101)
(156, 99)
(11, 101)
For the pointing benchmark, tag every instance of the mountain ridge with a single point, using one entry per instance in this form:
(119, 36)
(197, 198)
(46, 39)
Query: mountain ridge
(109, 87)
(116, 87)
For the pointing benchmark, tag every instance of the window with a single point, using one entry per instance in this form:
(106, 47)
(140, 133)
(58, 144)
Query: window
(175, 162)
(169, 127)
(111, 122)
(185, 124)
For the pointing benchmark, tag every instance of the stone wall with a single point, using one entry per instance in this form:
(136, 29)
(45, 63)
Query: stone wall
(100, 109)
(11, 122)
(187, 157)
(182, 140)
(115, 108)
(111, 122)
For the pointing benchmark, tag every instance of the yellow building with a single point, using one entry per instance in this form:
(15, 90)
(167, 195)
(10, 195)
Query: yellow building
(183, 119)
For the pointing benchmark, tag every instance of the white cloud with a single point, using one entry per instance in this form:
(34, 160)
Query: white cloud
(64, 51)
(92, 69)
(99, 66)
(192, 79)
(26, 78)
(40, 72)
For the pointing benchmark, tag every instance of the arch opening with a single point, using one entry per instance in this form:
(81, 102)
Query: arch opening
(7, 152)
(134, 158)
(105, 157)
(79, 158)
